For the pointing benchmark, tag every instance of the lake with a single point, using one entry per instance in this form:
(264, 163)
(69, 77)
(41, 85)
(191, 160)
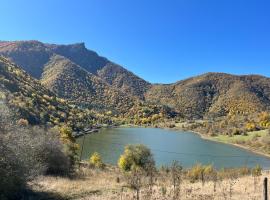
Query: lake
(168, 145)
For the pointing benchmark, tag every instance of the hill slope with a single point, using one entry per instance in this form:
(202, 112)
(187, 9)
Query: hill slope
(71, 82)
(32, 56)
(214, 94)
(31, 101)
(75, 73)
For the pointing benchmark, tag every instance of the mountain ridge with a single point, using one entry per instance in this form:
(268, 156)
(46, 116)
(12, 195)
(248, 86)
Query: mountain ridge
(32, 56)
(33, 102)
(106, 83)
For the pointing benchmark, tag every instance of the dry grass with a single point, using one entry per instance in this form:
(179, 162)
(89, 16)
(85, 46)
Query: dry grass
(95, 184)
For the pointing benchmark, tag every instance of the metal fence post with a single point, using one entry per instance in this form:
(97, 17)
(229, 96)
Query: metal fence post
(265, 189)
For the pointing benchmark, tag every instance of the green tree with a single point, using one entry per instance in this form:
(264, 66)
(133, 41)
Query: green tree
(71, 147)
(136, 156)
(137, 162)
(96, 160)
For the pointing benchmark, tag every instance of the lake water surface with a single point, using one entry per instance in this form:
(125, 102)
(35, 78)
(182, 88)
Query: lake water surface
(168, 145)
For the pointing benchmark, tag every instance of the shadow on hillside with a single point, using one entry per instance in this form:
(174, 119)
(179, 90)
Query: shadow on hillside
(34, 195)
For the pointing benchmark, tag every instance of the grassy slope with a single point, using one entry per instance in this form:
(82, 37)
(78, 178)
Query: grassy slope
(255, 141)
(102, 185)
(251, 141)
(236, 139)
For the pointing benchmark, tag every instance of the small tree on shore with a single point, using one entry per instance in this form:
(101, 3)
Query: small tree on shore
(176, 177)
(136, 162)
(136, 156)
(96, 160)
(70, 145)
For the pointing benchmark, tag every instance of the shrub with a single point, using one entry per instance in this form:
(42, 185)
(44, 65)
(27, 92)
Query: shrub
(201, 172)
(70, 145)
(236, 131)
(13, 172)
(257, 171)
(176, 178)
(51, 152)
(26, 153)
(96, 160)
(23, 122)
(251, 126)
(195, 172)
(136, 156)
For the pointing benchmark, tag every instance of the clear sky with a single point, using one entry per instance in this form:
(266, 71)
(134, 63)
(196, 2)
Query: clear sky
(160, 40)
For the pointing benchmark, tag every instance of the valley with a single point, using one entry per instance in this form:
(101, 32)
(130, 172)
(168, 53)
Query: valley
(68, 91)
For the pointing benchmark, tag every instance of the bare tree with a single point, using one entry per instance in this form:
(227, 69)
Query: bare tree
(134, 179)
(176, 177)
(27, 152)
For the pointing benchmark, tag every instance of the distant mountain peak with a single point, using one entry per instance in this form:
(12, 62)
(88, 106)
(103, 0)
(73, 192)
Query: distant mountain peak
(33, 56)
(81, 75)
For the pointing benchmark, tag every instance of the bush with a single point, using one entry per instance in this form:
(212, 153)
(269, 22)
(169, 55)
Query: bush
(13, 172)
(27, 153)
(236, 132)
(195, 172)
(23, 122)
(201, 172)
(256, 171)
(251, 126)
(70, 146)
(96, 160)
(51, 153)
(137, 162)
(136, 156)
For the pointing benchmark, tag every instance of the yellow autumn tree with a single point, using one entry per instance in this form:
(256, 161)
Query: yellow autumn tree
(96, 160)
(71, 147)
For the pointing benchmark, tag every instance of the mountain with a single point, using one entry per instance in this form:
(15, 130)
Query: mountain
(70, 81)
(214, 94)
(82, 77)
(33, 56)
(113, 74)
(30, 55)
(33, 102)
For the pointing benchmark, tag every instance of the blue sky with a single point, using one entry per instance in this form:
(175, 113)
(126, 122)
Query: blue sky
(160, 40)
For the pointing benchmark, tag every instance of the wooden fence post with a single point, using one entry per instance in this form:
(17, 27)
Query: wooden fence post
(265, 189)
(81, 151)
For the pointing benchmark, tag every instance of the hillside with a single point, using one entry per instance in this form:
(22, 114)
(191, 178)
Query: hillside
(82, 76)
(71, 82)
(214, 94)
(32, 56)
(33, 102)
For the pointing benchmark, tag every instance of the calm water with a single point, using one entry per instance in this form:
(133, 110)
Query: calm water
(167, 145)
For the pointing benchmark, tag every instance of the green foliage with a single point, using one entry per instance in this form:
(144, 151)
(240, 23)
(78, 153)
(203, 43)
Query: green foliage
(251, 126)
(136, 156)
(201, 172)
(71, 147)
(36, 104)
(264, 120)
(27, 152)
(95, 160)
(257, 171)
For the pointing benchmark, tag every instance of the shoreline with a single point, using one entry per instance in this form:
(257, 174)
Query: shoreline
(206, 138)
(233, 144)
(192, 131)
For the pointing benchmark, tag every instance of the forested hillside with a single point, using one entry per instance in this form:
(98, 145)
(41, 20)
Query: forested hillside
(32, 56)
(214, 94)
(83, 77)
(32, 103)
(71, 82)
